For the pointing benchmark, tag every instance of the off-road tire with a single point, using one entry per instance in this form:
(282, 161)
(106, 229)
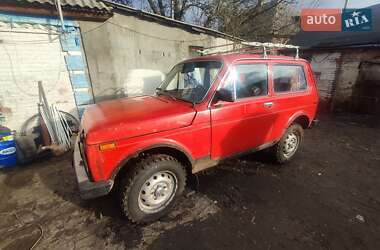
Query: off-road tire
(278, 149)
(130, 186)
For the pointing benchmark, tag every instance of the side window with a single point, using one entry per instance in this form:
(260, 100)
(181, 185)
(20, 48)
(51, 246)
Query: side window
(250, 79)
(173, 83)
(288, 78)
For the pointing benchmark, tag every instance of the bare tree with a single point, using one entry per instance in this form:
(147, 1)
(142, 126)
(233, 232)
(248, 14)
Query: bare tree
(249, 19)
(126, 2)
(167, 7)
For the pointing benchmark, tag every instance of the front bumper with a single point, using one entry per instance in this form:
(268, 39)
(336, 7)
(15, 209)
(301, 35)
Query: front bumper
(87, 188)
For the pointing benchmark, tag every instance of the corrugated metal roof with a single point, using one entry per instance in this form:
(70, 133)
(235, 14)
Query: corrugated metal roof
(169, 21)
(86, 4)
(343, 39)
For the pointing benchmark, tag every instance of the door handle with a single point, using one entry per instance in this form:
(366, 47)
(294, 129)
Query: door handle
(268, 104)
(218, 105)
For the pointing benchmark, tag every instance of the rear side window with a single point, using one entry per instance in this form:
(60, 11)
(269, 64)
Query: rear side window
(250, 79)
(288, 78)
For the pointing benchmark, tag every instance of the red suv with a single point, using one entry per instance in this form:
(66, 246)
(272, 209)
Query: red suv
(207, 109)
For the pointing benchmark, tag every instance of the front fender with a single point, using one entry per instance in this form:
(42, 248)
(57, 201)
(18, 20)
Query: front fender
(132, 151)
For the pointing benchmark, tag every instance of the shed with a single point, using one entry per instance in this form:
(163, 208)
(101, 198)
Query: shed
(341, 61)
(129, 53)
(102, 51)
(34, 48)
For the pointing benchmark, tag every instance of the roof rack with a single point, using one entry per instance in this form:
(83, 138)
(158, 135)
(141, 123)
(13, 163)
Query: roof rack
(248, 47)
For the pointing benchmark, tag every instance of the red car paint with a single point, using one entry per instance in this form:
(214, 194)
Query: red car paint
(204, 130)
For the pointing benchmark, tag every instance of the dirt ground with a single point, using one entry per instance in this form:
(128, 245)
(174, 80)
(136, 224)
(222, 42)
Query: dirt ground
(327, 198)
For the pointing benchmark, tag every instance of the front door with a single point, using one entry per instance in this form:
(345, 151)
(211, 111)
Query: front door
(247, 122)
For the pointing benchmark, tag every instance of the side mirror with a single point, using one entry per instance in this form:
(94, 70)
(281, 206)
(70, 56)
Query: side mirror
(224, 95)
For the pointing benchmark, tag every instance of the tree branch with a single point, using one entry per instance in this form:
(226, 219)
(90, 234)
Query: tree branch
(154, 7)
(161, 7)
(246, 19)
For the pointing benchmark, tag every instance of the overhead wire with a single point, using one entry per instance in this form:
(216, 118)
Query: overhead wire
(141, 33)
(30, 42)
(314, 4)
(12, 66)
(323, 59)
(157, 37)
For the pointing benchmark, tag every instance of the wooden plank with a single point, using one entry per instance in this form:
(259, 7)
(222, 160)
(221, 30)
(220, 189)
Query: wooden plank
(70, 42)
(83, 98)
(74, 62)
(25, 18)
(79, 81)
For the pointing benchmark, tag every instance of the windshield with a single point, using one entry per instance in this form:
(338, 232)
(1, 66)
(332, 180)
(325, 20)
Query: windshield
(190, 81)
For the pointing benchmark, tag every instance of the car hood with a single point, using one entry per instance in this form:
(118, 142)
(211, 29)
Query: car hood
(136, 116)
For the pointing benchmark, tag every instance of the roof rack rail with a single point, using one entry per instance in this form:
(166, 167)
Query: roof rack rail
(247, 47)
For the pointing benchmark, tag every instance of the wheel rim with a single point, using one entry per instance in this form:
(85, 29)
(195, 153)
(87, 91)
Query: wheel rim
(290, 145)
(157, 192)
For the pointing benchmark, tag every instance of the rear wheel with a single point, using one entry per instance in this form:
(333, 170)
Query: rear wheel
(151, 190)
(288, 146)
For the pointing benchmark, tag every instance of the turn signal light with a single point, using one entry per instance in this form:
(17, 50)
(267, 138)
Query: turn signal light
(107, 146)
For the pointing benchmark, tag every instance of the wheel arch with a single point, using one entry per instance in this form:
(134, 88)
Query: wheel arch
(300, 118)
(173, 150)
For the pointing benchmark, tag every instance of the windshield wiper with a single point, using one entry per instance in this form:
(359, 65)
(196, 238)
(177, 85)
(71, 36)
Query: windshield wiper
(167, 93)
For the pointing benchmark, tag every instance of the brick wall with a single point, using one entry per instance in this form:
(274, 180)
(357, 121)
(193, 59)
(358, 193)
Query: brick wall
(30, 54)
(348, 75)
(337, 74)
(325, 67)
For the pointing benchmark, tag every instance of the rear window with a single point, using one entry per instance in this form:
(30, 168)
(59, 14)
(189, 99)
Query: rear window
(288, 78)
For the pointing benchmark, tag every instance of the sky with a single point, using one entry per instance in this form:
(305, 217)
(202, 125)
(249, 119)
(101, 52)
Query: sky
(336, 3)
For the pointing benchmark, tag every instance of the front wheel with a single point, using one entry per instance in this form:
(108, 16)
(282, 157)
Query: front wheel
(151, 190)
(289, 144)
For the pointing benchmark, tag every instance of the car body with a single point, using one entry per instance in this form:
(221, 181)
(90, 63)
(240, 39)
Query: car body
(202, 132)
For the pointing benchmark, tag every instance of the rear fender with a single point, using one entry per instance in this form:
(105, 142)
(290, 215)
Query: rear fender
(293, 118)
